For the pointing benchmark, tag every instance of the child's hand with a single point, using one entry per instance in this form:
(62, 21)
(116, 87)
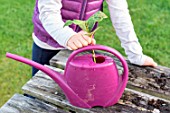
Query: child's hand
(149, 62)
(80, 40)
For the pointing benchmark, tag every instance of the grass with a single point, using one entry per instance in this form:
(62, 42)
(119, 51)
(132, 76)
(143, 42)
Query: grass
(15, 37)
(151, 23)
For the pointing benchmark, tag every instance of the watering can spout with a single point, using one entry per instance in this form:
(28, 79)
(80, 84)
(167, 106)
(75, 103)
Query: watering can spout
(56, 76)
(46, 70)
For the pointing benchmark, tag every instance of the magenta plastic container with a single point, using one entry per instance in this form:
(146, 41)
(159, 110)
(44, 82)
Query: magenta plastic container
(87, 84)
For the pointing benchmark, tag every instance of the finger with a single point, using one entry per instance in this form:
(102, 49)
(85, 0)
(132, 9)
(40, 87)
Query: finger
(72, 46)
(152, 63)
(78, 44)
(83, 41)
(93, 41)
(87, 39)
(155, 64)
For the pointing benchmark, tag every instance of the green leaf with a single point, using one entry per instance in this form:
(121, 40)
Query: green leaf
(80, 23)
(88, 24)
(97, 17)
(68, 22)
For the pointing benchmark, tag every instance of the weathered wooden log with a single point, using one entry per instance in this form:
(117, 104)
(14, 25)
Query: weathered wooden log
(44, 88)
(22, 104)
(154, 81)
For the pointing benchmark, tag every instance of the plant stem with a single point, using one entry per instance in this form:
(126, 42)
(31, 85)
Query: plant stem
(93, 53)
(94, 56)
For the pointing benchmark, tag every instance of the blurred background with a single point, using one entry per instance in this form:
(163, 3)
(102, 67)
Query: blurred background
(150, 19)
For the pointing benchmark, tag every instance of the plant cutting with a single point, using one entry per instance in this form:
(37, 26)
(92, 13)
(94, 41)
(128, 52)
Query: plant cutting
(88, 25)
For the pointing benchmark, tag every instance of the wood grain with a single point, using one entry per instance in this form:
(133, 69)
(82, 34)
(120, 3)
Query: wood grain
(22, 104)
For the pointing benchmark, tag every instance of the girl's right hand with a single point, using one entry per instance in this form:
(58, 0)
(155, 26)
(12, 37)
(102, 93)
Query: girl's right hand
(80, 40)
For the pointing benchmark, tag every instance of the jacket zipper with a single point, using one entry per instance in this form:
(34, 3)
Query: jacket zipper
(82, 13)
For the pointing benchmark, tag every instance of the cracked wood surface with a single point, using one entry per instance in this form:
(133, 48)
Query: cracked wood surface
(44, 88)
(22, 104)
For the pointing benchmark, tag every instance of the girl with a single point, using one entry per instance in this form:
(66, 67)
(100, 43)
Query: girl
(50, 36)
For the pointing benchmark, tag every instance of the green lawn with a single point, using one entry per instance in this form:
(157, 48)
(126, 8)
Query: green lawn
(15, 37)
(150, 18)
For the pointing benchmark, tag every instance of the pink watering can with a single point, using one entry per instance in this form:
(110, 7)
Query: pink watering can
(85, 83)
